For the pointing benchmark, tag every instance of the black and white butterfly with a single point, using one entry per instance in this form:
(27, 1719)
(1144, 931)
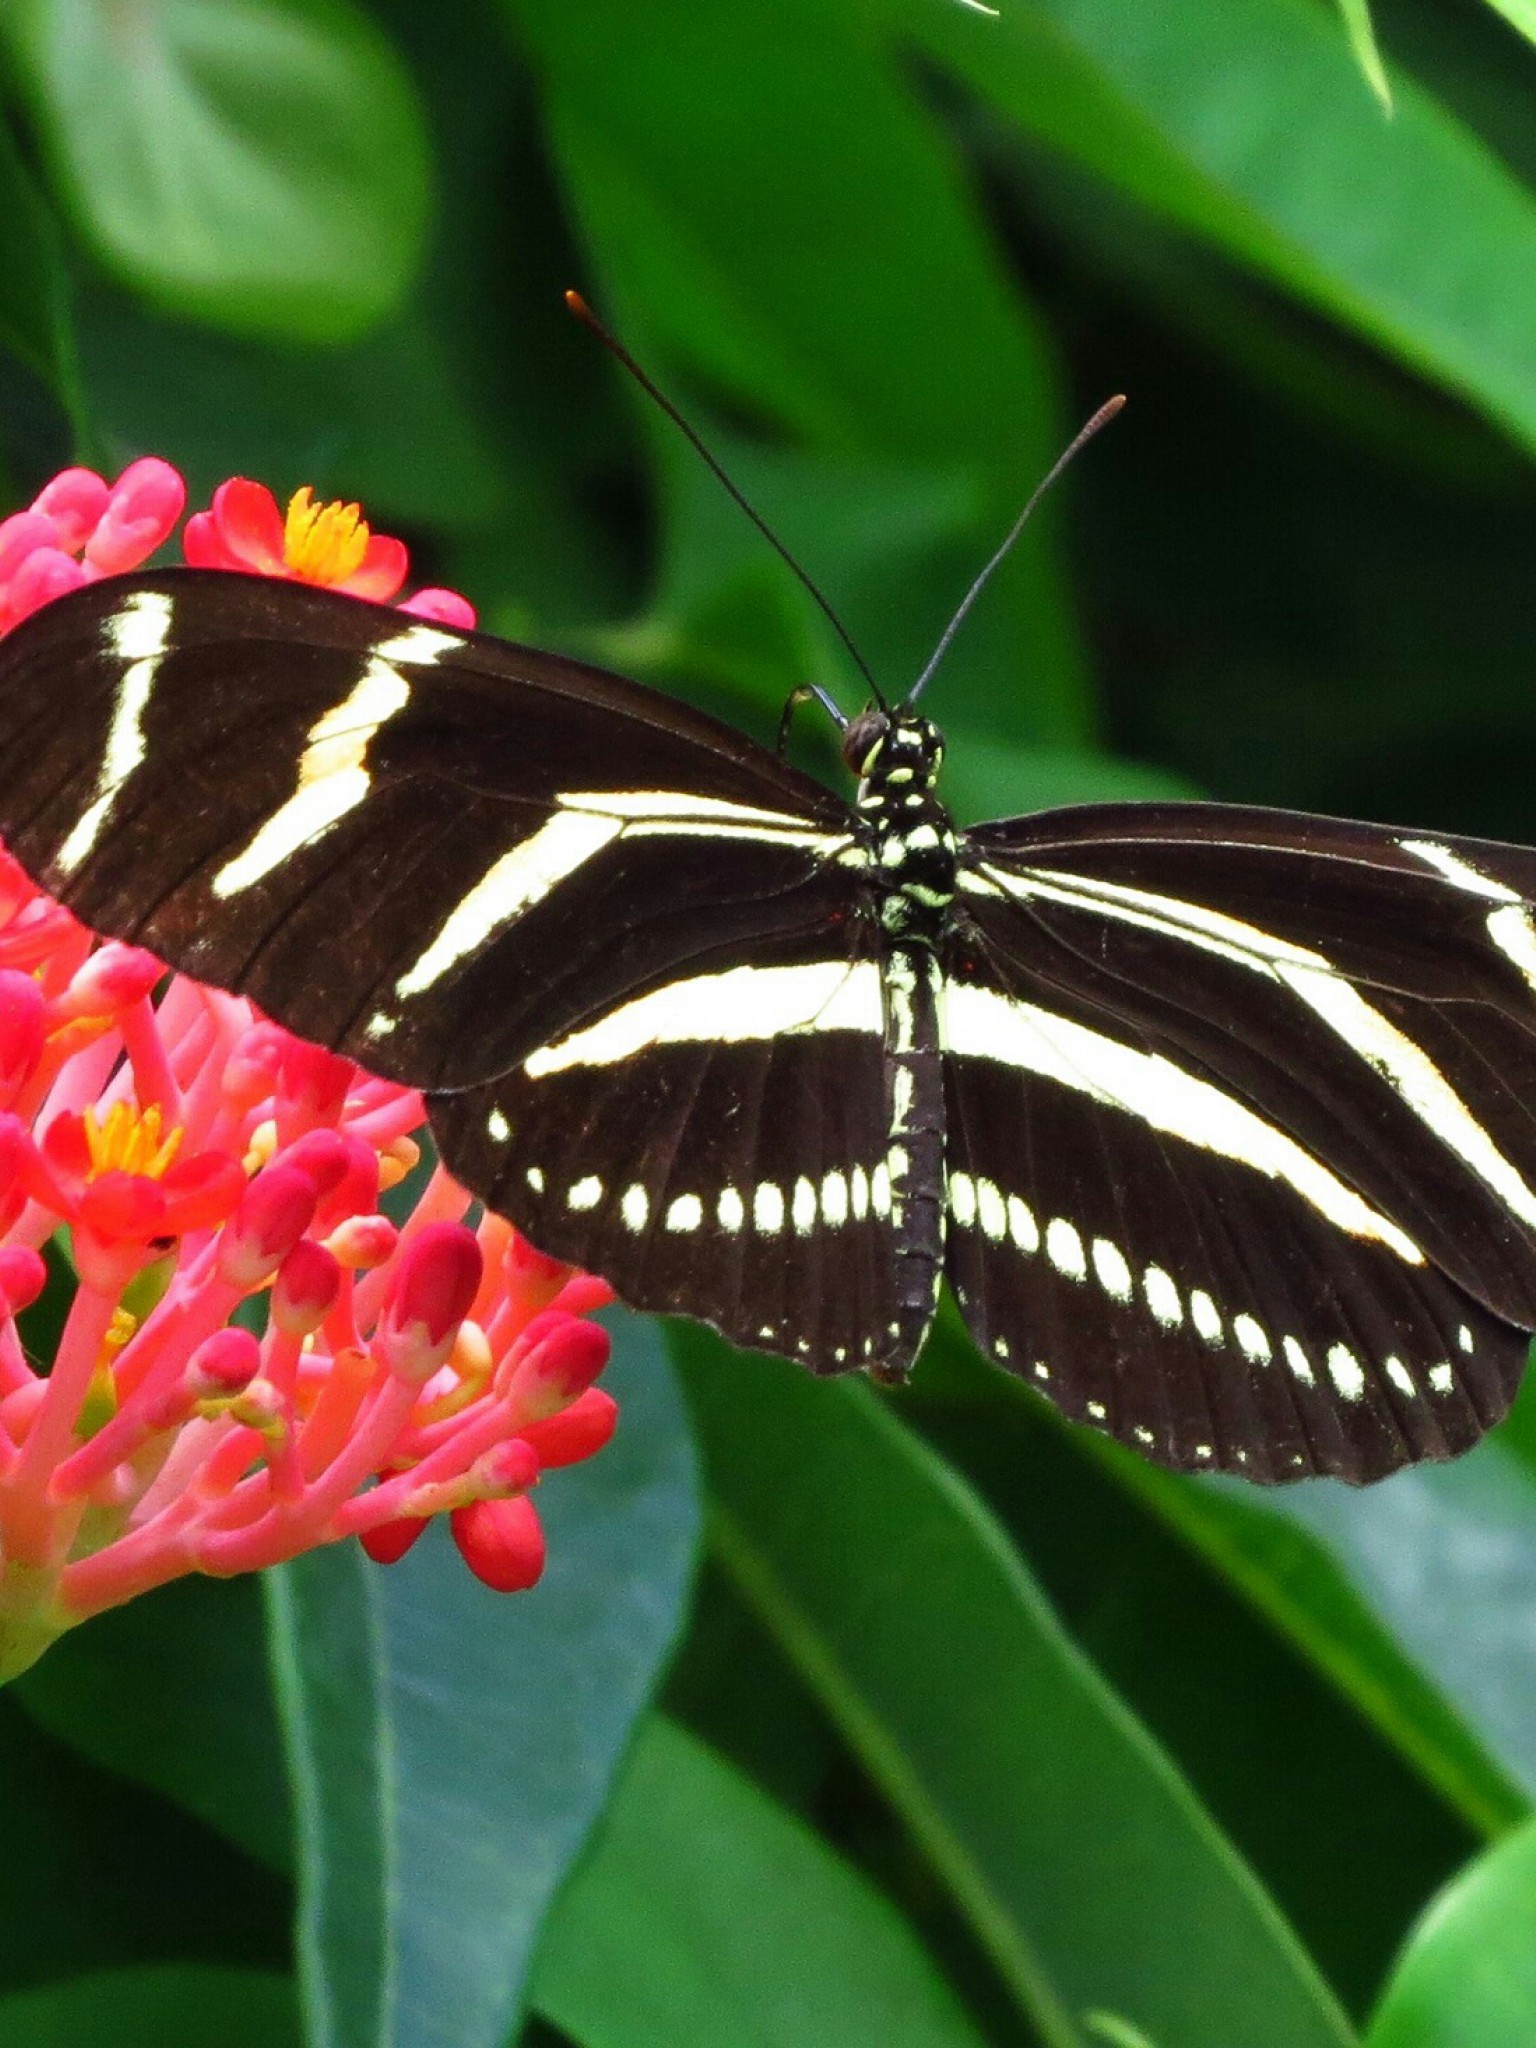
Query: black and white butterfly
(1220, 1122)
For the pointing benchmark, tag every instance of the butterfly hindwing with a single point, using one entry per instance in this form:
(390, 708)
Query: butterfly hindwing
(715, 1146)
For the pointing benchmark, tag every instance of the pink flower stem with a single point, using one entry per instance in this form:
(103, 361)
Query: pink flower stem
(153, 1080)
(25, 1520)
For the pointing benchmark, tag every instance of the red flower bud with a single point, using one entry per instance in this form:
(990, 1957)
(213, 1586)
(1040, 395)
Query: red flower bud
(578, 1432)
(21, 1031)
(363, 1242)
(112, 978)
(389, 1542)
(273, 1215)
(305, 1290)
(224, 1364)
(434, 1287)
(564, 1358)
(312, 1088)
(501, 1542)
(23, 1276)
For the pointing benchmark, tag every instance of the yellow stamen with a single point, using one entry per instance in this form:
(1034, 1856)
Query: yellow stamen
(127, 1141)
(471, 1360)
(100, 1403)
(323, 543)
(398, 1158)
(262, 1146)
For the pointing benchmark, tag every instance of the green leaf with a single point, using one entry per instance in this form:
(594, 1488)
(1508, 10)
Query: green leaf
(1080, 1858)
(773, 219)
(171, 1692)
(185, 2007)
(261, 165)
(1361, 31)
(34, 297)
(451, 1747)
(97, 1874)
(1442, 1548)
(1305, 1590)
(698, 1887)
(1241, 122)
(1467, 1978)
(1521, 14)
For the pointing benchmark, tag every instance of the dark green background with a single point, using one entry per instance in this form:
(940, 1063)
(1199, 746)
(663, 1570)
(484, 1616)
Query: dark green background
(918, 1720)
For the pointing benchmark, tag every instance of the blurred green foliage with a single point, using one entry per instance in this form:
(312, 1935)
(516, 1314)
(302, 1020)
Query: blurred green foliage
(978, 1730)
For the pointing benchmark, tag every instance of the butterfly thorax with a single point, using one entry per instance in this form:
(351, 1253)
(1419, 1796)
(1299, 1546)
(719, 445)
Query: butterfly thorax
(909, 835)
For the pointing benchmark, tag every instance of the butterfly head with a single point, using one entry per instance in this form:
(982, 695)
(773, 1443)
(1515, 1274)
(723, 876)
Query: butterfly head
(883, 747)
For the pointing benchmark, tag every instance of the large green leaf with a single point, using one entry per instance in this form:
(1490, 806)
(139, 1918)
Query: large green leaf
(34, 314)
(171, 1691)
(98, 1875)
(1063, 1834)
(1246, 123)
(261, 164)
(1467, 1978)
(185, 2007)
(768, 204)
(451, 1747)
(681, 1921)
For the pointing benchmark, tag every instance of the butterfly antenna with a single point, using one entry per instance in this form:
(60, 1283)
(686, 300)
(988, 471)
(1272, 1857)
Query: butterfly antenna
(1080, 440)
(621, 354)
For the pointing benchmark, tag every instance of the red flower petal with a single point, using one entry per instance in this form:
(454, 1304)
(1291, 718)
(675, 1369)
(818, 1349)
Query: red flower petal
(382, 570)
(201, 1191)
(203, 545)
(250, 525)
(124, 1208)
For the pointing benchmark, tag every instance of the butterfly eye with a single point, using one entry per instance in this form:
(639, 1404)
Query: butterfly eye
(864, 741)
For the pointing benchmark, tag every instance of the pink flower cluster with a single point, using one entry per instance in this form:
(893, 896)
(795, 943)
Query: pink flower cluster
(254, 1359)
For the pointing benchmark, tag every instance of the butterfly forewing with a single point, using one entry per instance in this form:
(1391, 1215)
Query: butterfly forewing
(402, 841)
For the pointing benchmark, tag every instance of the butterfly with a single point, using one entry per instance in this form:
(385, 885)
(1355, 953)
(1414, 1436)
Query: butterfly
(1220, 1122)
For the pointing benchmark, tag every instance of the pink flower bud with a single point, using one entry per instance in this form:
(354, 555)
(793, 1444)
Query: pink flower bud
(563, 1359)
(72, 502)
(23, 1276)
(251, 1070)
(21, 1031)
(273, 1215)
(444, 607)
(145, 503)
(223, 1365)
(501, 1542)
(581, 1430)
(344, 1169)
(305, 1291)
(389, 1542)
(113, 977)
(583, 1294)
(363, 1242)
(312, 1087)
(324, 1156)
(434, 1288)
